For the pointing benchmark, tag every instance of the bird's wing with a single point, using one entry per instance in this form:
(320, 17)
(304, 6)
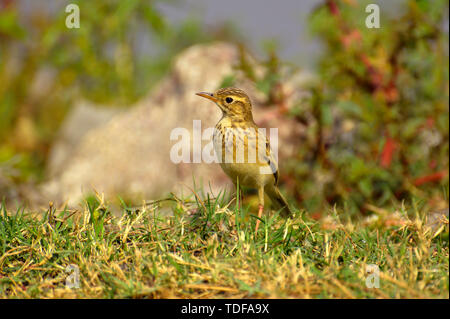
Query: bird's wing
(272, 161)
(248, 144)
(266, 157)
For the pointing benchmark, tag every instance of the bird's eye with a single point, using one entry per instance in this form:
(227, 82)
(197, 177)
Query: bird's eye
(228, 100)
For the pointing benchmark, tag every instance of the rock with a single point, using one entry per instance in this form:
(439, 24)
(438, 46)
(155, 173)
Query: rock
(16, 195)
(7, 189)
(84, 117)
(128, 154)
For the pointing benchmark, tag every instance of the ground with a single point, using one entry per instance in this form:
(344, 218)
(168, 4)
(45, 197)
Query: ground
(208, 249)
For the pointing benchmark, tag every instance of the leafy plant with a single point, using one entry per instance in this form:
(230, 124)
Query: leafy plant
(381, 111)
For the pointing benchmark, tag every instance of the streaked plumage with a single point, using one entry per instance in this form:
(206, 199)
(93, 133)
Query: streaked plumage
(243, 149)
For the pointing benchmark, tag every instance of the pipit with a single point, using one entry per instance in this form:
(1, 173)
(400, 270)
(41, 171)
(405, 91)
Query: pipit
(243, 150)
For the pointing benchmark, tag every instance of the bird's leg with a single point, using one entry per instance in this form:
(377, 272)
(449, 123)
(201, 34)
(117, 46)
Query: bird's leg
(260, 207)
(260, 211)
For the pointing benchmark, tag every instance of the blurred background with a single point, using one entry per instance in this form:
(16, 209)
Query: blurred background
(367, 110)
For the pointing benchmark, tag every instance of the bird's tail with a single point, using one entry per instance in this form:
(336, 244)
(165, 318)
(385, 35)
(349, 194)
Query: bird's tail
(278, 201)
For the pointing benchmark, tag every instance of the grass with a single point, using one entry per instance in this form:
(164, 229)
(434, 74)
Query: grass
(207, 249)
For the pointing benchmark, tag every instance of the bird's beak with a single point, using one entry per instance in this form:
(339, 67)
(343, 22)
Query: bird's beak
(207, 95)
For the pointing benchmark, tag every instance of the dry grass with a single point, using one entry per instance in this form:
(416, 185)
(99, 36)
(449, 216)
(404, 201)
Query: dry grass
(208, 250)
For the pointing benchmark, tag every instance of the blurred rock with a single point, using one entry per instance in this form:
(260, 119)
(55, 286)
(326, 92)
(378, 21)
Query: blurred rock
(128, 154)
(7, 189)
(16, 195)
(83, 118)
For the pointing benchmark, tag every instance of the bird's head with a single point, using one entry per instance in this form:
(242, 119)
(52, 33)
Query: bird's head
(233, 102)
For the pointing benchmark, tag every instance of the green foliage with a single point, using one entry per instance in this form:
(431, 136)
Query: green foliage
(381, 128)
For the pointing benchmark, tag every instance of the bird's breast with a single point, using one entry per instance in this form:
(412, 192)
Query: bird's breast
(242, 150)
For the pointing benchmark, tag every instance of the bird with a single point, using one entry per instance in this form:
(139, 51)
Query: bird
(243, 150)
